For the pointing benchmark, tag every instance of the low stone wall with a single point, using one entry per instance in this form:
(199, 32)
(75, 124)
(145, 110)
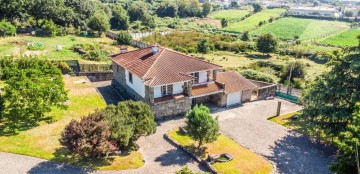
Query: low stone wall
(171, 108)
(265, 89)
(97, 76)
(199, 160)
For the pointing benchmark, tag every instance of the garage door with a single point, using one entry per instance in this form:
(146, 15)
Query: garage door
(233, 98)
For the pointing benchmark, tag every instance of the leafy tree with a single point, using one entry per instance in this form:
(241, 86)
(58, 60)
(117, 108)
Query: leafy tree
(124, 38)
(257, 7)
(13, 9)
(348, 13)
(89, 137)
(137, 10)
(82, 11)
(33, 87)
(202, 127)
(129, 121)
(203, 46)
(168, 8)
(330, 101)
(148, 21)
(297, 69)
(48, 28)
(224, 23)
(120, 19)
(245, 36)
(266, 43)
(99, 22)
(193, 8)
(206, 9)
(347, 142)
(7, 29)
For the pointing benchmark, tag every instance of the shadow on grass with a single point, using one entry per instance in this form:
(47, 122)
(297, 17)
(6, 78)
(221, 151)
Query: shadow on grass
(297, 153)
(11, 128)
(63, 155)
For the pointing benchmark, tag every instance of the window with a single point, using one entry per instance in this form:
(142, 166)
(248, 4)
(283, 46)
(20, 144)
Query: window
(167, 90)
(196, 79)
(130, 78)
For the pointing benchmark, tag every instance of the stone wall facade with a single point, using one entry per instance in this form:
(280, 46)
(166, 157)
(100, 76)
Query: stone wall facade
(246, 96)
(219, 99)
(171, 108)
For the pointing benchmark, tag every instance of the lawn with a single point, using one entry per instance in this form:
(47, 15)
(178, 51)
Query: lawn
(244, 161)
(253, 21)
(18, 45)
(285, 120)
(233, 60)
(231, 15)
(347, 38)
(288, 28)
(43, 141)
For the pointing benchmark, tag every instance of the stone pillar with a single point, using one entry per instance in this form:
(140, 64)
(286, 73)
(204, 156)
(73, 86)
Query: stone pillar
(188, 88)
(149, 94)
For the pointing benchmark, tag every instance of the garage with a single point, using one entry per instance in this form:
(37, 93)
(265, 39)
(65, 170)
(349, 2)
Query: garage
(233, 98)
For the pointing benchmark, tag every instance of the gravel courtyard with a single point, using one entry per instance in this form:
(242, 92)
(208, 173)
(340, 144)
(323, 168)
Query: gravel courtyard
(289, 151)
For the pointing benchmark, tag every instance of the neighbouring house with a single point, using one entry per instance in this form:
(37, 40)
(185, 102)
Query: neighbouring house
(171, 82)
(314, 12)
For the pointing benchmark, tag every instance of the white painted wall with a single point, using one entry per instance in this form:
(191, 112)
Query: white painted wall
(202, 76)
(137, 85)
(177, 89)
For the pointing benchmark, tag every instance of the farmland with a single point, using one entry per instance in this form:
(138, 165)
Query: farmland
(18, 45)
(347, 38)
(288, 28)
(231, 15)
(253, 21)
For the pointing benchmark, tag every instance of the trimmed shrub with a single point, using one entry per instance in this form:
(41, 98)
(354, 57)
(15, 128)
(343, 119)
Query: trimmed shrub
(7, 29)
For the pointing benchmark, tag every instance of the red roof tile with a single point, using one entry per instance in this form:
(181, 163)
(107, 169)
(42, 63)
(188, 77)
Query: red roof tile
(206, 89)
(164, 67)
(234, 82)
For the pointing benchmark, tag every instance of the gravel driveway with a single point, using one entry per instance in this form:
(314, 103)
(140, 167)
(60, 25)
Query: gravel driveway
(290, 152)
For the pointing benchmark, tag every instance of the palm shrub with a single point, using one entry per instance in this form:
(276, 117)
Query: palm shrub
(202, 127)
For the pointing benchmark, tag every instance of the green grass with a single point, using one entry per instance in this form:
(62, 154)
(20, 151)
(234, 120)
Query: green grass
(253, 21)
(244, 161)
(285, 120)
(43, 141)
(18, 45)
(288, 28)
(230, 15)
(347, 38)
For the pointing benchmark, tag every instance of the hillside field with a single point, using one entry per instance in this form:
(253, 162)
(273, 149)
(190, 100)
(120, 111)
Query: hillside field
(253, 21)
(288, 28)
(230, 15)
(347, 38)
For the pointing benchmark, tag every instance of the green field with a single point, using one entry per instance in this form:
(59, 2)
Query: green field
(253, 21)
(18, 45)
(288, 28)
(348, 38)
(230, 15)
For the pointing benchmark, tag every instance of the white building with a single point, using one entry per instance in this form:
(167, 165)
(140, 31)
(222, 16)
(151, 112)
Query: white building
(314, 11)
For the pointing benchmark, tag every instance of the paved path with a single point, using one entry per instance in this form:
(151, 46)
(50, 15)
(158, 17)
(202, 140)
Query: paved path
(107, 92)
(160, 157)
(291, 152)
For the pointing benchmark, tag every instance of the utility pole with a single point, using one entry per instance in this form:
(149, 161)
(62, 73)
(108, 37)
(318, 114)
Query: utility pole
(289, 80)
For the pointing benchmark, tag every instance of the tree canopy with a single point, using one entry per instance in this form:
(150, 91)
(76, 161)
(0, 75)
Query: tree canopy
(129, 121)
(266, 43)
(202, 127)
(32, 88)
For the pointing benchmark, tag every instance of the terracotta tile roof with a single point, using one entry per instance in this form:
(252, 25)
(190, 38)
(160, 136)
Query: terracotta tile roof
(234, 82)
(164, 67)
(206, 89)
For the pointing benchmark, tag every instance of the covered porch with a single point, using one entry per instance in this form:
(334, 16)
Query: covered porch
(210, 93)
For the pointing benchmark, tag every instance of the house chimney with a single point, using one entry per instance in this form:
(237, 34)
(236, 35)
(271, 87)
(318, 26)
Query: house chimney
(123, 49)
(155, 48)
